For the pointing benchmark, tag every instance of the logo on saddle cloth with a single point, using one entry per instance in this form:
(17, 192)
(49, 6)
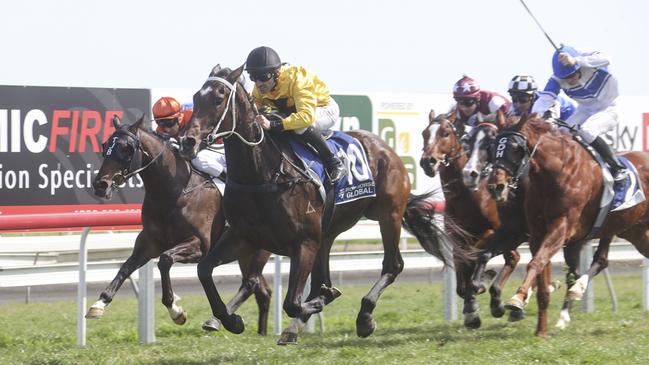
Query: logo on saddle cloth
(358, 183)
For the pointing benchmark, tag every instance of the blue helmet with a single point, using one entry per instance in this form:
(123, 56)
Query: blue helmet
(560, 70)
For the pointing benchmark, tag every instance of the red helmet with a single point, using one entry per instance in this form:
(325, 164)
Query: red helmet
(167, 108)
(466, 87)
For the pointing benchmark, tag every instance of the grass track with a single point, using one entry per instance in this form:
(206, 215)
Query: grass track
(411, 330)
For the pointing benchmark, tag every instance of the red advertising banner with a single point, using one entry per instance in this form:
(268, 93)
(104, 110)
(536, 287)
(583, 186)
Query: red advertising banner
(50, 147)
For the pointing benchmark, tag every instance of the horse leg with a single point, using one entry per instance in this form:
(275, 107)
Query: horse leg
(320, 286)
(571, 256)
(471, 309)
(600, 262)
(227, 249)
(496, 305)
(142, 253)
(390, 225)
(541, 254)
(253, 282)
(302, 263)
(185, 252)
(543, 299)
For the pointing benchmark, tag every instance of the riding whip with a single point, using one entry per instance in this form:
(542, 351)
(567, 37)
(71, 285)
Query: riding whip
(539, 24)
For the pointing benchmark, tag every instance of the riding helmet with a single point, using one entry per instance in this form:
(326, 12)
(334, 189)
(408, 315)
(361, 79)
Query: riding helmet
(262, 59)
(522, 84)
(166, 108)
(560, 70)
(466, 87)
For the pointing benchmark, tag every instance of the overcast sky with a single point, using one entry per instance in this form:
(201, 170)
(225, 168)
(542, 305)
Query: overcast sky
(355, 46)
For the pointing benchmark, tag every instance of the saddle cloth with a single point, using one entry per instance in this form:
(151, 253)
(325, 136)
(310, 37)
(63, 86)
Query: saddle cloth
(627, 193)
(358, 183)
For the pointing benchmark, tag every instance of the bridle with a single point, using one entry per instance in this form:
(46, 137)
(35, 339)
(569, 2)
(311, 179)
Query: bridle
(133, 165)
(230, 104)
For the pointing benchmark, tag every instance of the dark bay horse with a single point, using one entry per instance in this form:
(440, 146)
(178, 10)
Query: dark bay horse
(561, 203)
(472, 217)
(272, 204)
(181, 215)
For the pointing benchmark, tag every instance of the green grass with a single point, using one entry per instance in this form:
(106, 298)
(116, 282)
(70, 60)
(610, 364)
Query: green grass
(411, 330)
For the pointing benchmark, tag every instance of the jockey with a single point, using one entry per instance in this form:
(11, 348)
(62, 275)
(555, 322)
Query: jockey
(585, 77)
(170, 118)
(294, 91)
(471, 102)
(524, 92)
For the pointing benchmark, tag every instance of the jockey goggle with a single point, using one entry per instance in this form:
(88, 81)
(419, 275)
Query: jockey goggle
(261, 77)
(521, 98)
(466, 101)
(167, 123)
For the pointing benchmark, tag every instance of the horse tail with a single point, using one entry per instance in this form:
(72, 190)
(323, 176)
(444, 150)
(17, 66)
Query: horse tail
(420, 221)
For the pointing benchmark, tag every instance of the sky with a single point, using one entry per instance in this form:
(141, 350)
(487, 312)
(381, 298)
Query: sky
(355, 46)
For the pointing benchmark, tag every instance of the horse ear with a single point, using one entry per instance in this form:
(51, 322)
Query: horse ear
(116, 121)
(234, 75)
(140, 122)
(500, 119)
(215, 70)
(431, 116)
(524, 118)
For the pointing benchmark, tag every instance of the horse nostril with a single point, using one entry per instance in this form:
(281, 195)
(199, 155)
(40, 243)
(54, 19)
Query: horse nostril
(474, 174)
(100, 185)
(500, 188)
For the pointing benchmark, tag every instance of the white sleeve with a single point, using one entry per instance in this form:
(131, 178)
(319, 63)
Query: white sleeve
(543, 103)
(593, 59)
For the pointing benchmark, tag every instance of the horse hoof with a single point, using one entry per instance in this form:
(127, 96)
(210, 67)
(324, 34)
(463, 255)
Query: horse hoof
(181, 319)
(472, 320)
(330, 294)
(287, 338)
(212, 324)
(234, 324)
(497, 309)
(95, 313)
(365, 325)
(515, 304)
(515, 316)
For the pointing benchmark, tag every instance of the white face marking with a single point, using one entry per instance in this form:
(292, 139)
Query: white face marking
(474, 159)
(432, 129)
(206, 90)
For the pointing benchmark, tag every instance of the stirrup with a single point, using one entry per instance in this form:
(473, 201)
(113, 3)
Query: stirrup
(620, 175)
(336, 170)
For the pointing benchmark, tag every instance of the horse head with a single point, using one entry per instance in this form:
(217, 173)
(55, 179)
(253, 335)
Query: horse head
(481, 144)
(122, 154)
(214, 113)
(511, 158)
(441, 143)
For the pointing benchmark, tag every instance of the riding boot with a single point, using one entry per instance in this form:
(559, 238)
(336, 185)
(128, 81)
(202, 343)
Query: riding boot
(618, 170)
(333, 165)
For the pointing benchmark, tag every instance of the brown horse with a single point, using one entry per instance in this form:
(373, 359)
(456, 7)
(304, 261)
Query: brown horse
(561, 202)
(472, 217)
(272, 204)
(181, 215)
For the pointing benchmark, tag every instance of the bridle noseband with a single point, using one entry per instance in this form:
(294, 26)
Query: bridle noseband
(134, 162)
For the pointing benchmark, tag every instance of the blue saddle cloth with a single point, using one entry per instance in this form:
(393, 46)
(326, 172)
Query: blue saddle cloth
(358, 183)
(628, 192)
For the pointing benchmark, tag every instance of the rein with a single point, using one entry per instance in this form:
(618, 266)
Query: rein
(213, 135)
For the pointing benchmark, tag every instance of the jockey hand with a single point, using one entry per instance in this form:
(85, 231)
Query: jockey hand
(263, 122)
(567, 59)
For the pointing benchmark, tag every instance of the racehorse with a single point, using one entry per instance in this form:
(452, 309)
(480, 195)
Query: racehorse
(181, 216)
(562, 202)
(272, 204)
(472, 217)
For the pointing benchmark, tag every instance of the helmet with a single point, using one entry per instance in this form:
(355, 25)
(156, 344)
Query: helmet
(262, 59)
(166, 107)
(466, 87)
(560, 70)
(522, 85)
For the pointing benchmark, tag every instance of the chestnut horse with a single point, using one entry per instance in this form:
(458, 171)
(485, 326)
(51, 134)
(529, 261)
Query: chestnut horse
(181, 216)
(472, 217)
(562, 202)
(272, 204)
